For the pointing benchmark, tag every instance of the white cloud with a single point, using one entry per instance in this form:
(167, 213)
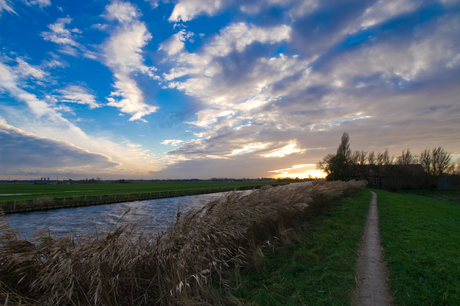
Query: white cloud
(5, 6)
(238, 36)
(78, 94)
(186, 10)
(9, 81)
(154, 3)
(303, 8)
(173, 142)
(175, 43)
(205, 69)
(23, 69)
(386, 9)
(249, 148)
(123, 55)
(59, 34)
(121, 11)
(41, 3)
(286, 150)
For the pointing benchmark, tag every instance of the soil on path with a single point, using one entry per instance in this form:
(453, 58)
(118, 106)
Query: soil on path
(371, 277)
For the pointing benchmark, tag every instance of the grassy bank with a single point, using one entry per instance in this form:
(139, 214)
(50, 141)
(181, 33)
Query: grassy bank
(43, 197)
(421, 241)
(318, 268)
(190, 263)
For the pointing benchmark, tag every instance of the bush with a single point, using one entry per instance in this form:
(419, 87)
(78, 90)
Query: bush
(43, 202)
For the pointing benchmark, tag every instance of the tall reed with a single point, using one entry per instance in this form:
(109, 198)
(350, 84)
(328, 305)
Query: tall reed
(185, 265)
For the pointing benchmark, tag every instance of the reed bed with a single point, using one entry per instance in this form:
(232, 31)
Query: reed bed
(188, 264)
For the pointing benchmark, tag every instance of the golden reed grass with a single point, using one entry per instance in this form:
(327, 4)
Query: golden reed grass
(188, 264)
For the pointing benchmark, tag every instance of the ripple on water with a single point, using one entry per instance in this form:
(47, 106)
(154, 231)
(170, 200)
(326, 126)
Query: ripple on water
(152, 216)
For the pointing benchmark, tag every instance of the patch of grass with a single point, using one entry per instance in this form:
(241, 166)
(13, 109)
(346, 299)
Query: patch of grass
(319, 268)
(421, 241)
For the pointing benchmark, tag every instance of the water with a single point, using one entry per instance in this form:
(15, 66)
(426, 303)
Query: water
(152, 216)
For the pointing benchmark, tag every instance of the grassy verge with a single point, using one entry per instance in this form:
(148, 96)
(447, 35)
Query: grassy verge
(421, 241)
(319, 268)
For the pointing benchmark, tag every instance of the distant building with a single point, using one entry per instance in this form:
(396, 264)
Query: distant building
(390, 176)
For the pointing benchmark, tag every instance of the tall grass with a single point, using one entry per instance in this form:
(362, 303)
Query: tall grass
(184, 265)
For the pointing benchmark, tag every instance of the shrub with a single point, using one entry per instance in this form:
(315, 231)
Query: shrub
(43, 202)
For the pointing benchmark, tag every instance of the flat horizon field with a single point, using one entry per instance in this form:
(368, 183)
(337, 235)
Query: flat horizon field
(27, 191)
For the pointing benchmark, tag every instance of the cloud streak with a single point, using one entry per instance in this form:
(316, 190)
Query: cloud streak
(123, 55)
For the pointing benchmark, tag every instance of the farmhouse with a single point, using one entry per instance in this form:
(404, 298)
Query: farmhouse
(390, 176)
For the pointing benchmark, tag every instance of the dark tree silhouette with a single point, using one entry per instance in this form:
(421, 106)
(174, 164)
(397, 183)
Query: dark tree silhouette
(344, 147)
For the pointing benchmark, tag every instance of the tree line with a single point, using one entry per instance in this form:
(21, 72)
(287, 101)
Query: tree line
(435, 163)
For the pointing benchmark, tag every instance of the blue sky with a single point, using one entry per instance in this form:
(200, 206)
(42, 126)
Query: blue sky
(201, 88)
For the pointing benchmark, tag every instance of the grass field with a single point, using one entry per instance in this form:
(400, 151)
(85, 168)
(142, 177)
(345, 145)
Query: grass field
(33, 191)
(319, 269)
(421, 242)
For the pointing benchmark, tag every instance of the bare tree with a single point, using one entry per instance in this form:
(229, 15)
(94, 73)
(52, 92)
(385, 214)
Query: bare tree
(362, 157)
(371, 158)
(344, 147)
(406, 158)
(426, 160)
(354, 158)
(441, 161)
(386, 159)
(455, 168)
(435, 163)
(379, 158)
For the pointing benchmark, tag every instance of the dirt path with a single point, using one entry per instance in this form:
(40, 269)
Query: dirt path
(371, 275)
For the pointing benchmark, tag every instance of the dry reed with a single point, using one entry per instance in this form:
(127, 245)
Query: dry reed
(187, 264)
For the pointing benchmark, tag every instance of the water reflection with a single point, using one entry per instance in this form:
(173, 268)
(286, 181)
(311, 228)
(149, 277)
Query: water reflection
(152, 216)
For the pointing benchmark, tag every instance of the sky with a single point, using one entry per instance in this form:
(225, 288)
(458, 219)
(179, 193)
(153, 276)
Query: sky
(180, 89)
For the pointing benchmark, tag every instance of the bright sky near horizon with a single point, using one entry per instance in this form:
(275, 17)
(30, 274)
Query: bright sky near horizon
(158, 89)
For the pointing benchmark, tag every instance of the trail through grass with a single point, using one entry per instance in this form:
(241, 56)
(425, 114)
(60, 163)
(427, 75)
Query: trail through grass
(421, 241)
(319, 268)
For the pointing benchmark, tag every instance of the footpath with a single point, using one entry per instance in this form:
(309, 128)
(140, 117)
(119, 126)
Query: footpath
(371, 275)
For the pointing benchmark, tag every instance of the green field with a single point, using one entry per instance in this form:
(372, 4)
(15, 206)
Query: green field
(319, 268)
(421, 243)
(34, 191)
